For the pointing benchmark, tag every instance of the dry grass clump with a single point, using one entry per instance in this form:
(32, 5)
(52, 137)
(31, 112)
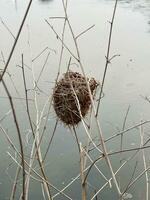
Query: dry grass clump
(66, 92)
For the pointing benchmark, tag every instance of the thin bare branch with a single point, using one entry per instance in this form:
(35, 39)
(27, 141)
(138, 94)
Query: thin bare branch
(19, 137)
(86, 30)
(16, 39)
(107, 56)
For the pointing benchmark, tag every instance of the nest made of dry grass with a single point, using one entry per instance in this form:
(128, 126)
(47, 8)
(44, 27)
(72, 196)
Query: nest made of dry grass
(71, 95)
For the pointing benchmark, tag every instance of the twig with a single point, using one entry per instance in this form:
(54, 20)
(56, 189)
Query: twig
(12, 197)
(6, 114)
(97, 122)
(107, 56)
(138, 177)
(81, 154)
(52, 28)
(41, 178)
(84, 184)
(36, 144)
(123, 132)
(131, 179)
(16, 39)
(32, 170)
(145, 164)
(19, 137)
(88, 156)
(114, 153)
(123, 127)
(86, 30)
(39, 54)
(49, 144)
(7, 28)
(43, 68)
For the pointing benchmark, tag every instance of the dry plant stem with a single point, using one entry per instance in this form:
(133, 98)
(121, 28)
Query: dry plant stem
(43, 192)
(6, 114)
(19, 137)
(88, 168)
(109, 181)
(85, 178)
(12, 197)
(88, 141)
(144, 161)
(16, 39)
(131, 179)
(61, 54)
(44, 127)
(88, 156)
(123, 132)
(123, 127)
(41, 177)
(26, 95)
(130, 158)
(50, 142)
(107, 56)
(96, 195)
(83, 184)
(29, 117)
(64, 45)
(84, 31)
(19, 165)
(78, 59)
(69, 184)
(5, 25)
(43, 68)
(18, 153)
(17, 92)
(46, 48)
(117, 152)
(84, 125)
(138, 177)
(37, 142)
(106, 156)
(129, 150)
(9, 141)
(60, 60)
(122, 165)
(97, 122)
(36, 147)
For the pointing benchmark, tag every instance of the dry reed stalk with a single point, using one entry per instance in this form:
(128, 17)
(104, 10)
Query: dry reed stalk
(79, 61)
(12, 196)
(124, 132)
(39, 180)
(36, 143)
(144, 162)
(107, 55)
(19, 137)
(82, 68)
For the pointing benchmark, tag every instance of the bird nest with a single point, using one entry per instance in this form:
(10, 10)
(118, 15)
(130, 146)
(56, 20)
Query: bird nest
(71, 97)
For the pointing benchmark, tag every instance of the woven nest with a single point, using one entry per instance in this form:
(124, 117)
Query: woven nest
(71, 95)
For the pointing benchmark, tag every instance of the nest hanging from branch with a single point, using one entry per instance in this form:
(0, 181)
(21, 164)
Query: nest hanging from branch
(71, 97)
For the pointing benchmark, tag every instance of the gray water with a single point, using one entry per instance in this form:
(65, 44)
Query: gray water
(127, 84)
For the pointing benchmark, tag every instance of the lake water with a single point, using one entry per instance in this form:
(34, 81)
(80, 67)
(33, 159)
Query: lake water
(127, 85)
